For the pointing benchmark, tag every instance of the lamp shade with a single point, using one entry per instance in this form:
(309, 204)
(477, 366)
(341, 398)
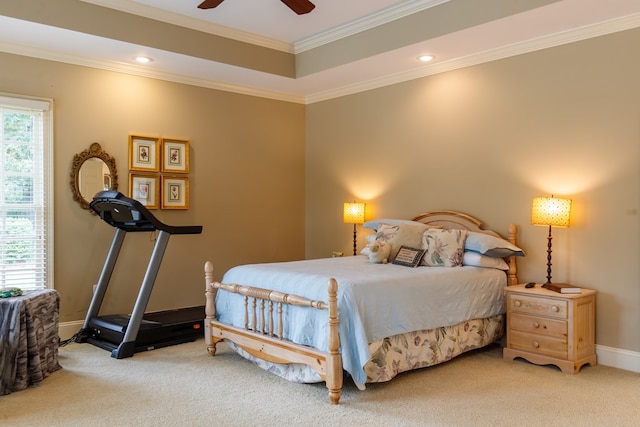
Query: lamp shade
(550, 211)
(353, 213)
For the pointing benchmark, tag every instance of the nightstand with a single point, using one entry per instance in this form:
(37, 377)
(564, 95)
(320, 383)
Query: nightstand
(550, 328)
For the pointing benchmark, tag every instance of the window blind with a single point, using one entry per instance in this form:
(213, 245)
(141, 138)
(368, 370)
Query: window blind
(26, 208)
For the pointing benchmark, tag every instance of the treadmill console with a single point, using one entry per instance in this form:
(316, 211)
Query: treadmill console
(120, 211)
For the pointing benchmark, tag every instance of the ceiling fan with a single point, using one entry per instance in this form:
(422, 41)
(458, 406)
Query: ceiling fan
(298, 6)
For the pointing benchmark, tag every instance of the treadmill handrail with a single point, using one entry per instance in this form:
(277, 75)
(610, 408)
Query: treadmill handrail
(129, 214)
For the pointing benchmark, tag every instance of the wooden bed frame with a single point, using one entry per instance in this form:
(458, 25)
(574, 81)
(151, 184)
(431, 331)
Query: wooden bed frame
(263, 307)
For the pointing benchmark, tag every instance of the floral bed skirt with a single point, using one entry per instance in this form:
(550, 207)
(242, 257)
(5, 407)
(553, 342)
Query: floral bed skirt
(399, 353)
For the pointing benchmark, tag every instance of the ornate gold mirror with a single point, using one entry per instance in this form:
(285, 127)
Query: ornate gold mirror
(93, 170)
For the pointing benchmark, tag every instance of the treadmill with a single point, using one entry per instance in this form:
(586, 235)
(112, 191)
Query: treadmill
(125, 335)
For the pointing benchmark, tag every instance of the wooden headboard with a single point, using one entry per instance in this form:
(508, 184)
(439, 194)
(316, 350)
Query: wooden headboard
(462, 221)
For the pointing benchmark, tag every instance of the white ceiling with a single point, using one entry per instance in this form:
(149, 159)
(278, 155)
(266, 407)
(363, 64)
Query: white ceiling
(271, 24)
(271, 18)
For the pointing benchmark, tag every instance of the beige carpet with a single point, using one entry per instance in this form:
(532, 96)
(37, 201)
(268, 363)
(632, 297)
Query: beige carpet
(183, 386)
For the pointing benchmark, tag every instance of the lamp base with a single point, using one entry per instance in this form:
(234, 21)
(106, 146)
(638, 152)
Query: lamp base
(355, 241)
(548, 257)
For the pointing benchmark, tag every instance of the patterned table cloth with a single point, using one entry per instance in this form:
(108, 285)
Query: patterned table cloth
(28, 339)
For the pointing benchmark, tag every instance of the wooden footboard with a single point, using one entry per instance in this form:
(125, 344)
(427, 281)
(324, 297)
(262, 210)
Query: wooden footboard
(263, 329)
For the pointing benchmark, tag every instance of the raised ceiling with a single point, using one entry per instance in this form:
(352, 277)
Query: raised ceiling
(262, 48)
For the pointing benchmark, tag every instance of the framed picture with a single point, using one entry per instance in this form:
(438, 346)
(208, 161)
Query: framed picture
(175, 156)
(175, 192)
(145, 189)
(144, 153)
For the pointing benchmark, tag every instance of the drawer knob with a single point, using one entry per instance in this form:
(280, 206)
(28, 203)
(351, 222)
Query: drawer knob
(555, 308)
(536, 344)
(536, 325)
(517, 303)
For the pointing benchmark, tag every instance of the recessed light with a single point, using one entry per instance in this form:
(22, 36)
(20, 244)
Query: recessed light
(425, 58)
(143, 59)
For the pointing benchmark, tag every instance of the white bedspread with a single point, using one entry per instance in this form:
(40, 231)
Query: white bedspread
(374, 300)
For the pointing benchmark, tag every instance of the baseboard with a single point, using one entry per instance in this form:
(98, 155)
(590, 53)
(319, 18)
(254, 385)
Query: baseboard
(68, 329)
(607, 356)
(618, 358)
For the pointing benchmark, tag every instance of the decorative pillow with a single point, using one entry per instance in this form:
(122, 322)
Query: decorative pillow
(386, 233)
(376, 223)
(475, 259)
(409, 235)
(491, 246)
(409, 257)
(444, 248)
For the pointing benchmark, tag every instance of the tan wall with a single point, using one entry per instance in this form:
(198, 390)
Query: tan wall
(487, 139)
(484, 140)
(247, 189)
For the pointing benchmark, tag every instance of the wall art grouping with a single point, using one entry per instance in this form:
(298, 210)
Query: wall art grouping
(157, 172)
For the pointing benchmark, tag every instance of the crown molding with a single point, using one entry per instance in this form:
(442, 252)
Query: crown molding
(545, 42)
(382, 17)
(363, 24)
(192, 23)
(142, 71)
(600, 29)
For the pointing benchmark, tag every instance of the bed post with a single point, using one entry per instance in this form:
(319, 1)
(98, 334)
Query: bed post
(512, 274)
(210, 307)
(334, 358)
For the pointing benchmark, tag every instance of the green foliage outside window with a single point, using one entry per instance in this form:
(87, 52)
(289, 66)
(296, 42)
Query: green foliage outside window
(19, 249)
(17, 187)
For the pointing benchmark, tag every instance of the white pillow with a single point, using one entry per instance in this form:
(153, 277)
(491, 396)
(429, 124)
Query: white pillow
(376, 223)
(491, 246)
(475, 259)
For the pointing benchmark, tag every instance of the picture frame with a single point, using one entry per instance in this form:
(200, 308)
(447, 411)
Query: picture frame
(175, 192)
(145, 189)
(144, 153)
(175, 156)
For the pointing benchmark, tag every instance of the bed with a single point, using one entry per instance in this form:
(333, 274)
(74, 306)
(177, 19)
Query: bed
(345, 317)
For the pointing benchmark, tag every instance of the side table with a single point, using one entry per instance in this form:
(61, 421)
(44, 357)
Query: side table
(28, 339)
(547, 327)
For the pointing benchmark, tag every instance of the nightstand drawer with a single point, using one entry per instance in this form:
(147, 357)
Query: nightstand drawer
(541, 344)
(538, 306)
(538, 325)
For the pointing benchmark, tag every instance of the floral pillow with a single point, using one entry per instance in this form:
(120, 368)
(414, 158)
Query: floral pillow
(386, 233)
(444, 248)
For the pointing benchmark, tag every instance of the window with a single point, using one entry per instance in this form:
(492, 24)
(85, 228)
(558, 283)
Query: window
(26, 207)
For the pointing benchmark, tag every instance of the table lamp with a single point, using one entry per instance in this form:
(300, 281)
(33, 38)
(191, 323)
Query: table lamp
(551, 212)
(354, 214)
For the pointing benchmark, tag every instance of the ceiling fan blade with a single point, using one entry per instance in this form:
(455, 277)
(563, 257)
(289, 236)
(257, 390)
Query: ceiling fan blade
(299, 6)
(209, 4)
